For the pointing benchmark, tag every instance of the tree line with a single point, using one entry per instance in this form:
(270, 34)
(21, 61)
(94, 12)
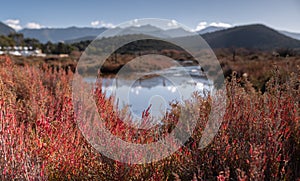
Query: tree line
(18, 39)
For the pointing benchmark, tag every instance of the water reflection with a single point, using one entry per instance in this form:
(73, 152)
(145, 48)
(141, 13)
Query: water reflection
(158, 88)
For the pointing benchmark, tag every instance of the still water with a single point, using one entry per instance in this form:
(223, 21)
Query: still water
(157, 88)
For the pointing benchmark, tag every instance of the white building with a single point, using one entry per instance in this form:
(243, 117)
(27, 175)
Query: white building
(21, 51)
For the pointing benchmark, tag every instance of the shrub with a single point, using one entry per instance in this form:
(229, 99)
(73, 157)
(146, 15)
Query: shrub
(39, 139)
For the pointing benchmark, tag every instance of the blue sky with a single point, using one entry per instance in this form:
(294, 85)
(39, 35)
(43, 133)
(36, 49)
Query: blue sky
(278, 14)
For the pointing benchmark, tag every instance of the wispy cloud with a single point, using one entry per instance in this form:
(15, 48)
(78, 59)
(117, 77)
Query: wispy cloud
(33, 25)
(173, 24)
(98, 23)
(135, 23)
(95, 23)
(220, 24)
(14, 23)
(204, 24)
(201, 26)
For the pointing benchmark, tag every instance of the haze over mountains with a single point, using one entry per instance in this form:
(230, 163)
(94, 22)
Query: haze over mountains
(292, 35)
(75, 34)
(5, 30)
(255, 36)
(60, 34)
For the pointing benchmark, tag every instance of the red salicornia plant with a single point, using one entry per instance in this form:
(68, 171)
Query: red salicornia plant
(259, 138)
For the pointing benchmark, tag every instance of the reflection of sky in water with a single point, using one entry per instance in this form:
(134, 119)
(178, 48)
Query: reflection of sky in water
(174, 84)
(139, 96)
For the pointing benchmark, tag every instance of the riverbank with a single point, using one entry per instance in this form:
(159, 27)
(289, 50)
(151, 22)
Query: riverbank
(256, 65)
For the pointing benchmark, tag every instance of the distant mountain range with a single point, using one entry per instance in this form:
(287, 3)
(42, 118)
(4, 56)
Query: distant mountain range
(60, 34)
(75, 34)
(149, 29)
(5, 30)
(155, 31)
(255, 36)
